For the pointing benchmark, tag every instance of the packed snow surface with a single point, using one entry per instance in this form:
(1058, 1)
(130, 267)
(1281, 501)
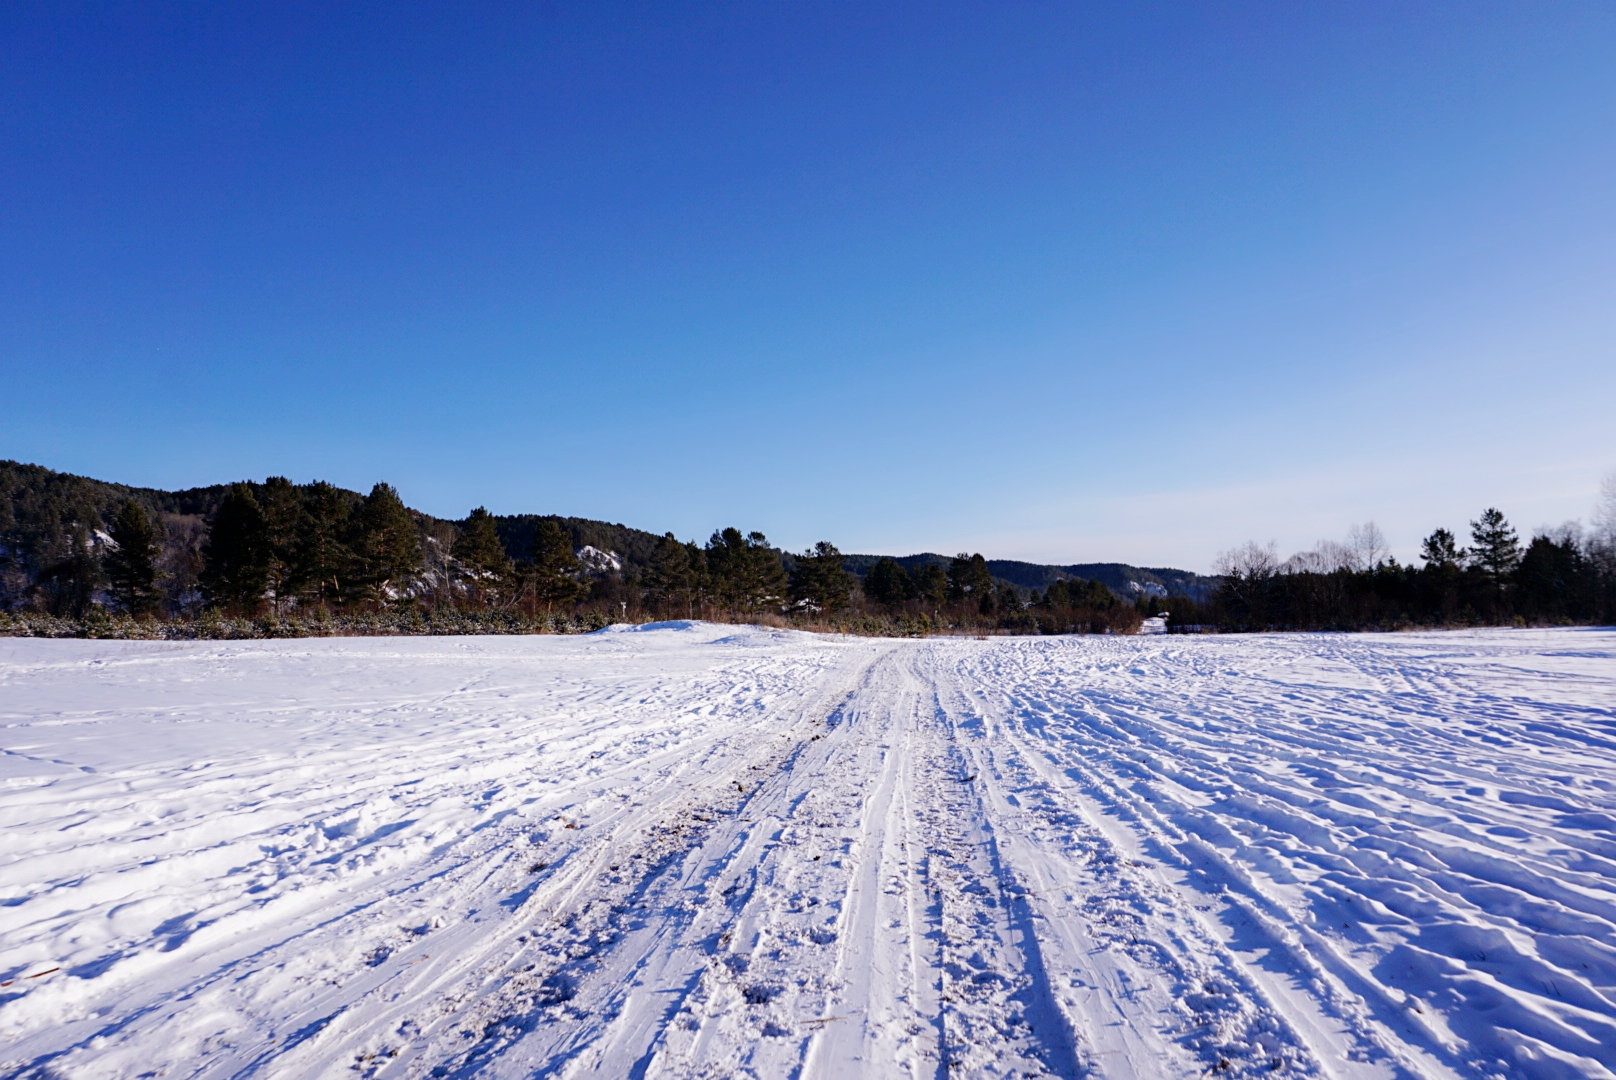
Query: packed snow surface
(700, 851)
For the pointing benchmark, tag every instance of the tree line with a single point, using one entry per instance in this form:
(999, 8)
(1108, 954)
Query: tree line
(279, 549)
(1559, 576)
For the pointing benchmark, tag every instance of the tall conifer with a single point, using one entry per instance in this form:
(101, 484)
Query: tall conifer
(480, 551)
(669, 584)
(282, 509)
(387, 548)
(888, 583)
(1497, 548)
(131, 567)
(820, 579)
(323, 558)
(554, 565)
(235, 556)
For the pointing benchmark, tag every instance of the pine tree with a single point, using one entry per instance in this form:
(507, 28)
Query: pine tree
(888, 583)
(699, 588)
(670, 579)
(282, 508)
(968, 577)
(480, 550)
(931, 585)
(1497, 549)
(387, 546)
(554, 565)
(131, 567)
(235, 556)
(820, 579)
(1440, 551)
(746, 572)
(323, 556)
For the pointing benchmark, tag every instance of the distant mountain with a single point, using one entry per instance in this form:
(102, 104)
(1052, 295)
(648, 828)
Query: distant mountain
(1129, 582)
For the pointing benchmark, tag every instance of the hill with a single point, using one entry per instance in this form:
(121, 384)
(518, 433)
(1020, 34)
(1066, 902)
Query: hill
(49, 519)
(1126, 581)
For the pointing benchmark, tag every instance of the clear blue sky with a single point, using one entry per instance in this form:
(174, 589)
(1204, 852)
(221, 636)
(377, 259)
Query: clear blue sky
(1065, 282)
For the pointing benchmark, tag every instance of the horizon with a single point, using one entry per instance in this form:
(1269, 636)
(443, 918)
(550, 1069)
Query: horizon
(1063, 287)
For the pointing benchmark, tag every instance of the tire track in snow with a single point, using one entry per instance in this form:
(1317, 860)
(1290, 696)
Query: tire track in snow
(1353, 855)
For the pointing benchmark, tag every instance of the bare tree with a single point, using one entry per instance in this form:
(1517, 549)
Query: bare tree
(1604, 517)
(1249, 561)
(1367, 546)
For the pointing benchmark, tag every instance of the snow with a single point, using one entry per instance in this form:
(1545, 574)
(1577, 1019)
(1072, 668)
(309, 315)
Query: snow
(689, 850)
(598, 561)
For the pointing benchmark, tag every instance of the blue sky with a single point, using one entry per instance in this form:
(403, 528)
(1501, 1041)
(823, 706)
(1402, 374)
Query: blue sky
(1051, 281)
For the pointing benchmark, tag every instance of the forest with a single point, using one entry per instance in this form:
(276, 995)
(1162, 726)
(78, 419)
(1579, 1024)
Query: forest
(1561, 576)
(81, 556)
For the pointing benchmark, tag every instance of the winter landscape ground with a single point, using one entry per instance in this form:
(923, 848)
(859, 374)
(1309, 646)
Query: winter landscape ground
(698, 851)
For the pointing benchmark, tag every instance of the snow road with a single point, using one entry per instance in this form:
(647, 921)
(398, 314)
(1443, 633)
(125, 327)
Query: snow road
(703, 851)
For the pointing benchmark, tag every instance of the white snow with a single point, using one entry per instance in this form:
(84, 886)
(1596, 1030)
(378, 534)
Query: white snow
(597, 561)
(692, 850)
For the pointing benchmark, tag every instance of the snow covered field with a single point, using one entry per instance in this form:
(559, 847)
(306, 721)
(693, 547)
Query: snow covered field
(705, 851)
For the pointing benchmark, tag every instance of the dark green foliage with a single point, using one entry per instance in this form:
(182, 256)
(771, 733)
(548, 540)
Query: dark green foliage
(1078, 594)
(1497, 548)
(1441, 551)
(387, 547)
(323, 554)
(1029, 576)
(479, 550)
(675, 579)
(1556, 582)
(888, 583)
(282, 508)
(67, 585)
(235, 557)
(968, 579)
(131, 564)
(819, 580)
(323, 558)
(552, 573)
(745, 572)
(1074, 606)
(931, 585)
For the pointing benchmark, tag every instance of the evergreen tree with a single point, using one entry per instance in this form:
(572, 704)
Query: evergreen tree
(888, 583)
(968, 578)
(235, 556)
(282, 509)
(670, 581)
(554, 565)
(700, 587)
(1556, 582)
(930, 584)
(387, 546)
(1497, 548)
(480, 551)
(746, 572)
(131, 567)
(1440, 551)
(323, 555)
(820, 579)
(68, 581)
